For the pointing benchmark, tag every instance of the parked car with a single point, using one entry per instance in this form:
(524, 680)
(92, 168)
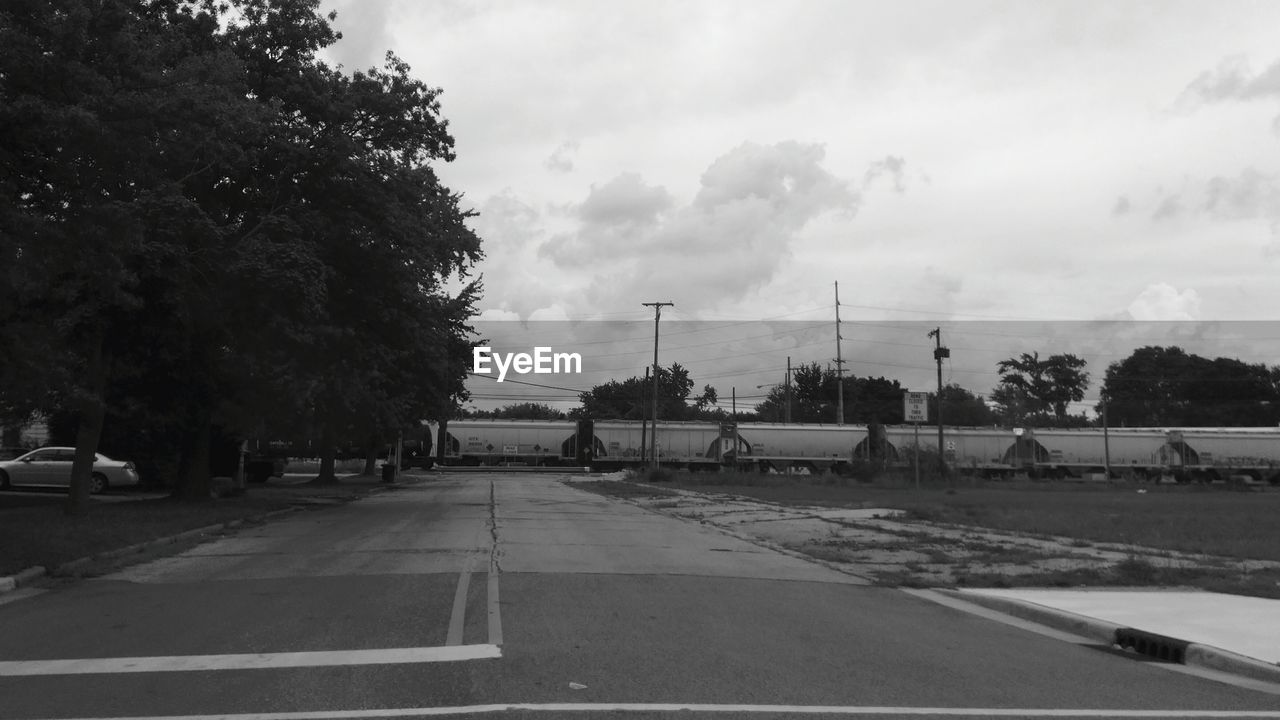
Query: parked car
(51, 466)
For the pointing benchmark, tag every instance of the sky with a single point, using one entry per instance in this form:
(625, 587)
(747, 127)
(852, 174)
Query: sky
(951, 164)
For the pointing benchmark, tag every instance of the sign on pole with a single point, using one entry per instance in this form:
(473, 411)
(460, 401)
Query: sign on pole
(915, 406)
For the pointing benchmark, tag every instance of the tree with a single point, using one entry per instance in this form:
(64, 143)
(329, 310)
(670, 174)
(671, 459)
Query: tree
(961, 407)
(204, 226)
(110, 113)
(814, 394)
(1029, 385)
(524, 411)
(1166, 386)
(632, 398)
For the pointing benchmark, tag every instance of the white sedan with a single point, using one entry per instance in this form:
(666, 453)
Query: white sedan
(51, 466)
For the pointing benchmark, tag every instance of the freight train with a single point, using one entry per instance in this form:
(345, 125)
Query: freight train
(1242, 455)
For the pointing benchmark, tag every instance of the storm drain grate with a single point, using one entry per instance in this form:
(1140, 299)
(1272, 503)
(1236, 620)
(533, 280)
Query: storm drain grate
(1152, 645)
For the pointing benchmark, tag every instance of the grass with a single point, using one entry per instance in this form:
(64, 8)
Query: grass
(1136, 572)
(614, 488)
(34, 530)
(1184, 519)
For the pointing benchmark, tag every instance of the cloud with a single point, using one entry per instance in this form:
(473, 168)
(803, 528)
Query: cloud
(625, 200)
(510, 230)
(1121, 207)
(365, 33)
(1249, 196)
(1162, 301)
(733, 236)
(1170, 207)
(1233, 80)
(495, 314)
(561, 160)
(890, 165)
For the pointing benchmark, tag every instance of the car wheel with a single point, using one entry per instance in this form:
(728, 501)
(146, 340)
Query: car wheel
(4, 480)
(97, 483)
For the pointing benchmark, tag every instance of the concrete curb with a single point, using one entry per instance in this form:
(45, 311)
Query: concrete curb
(1196, 654)
(26, 577)
(1081, 625)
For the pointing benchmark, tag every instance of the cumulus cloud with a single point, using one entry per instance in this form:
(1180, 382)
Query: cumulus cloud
(1233, 80)
(1162, 301)
(732, 237)
(892, 166)
(510, 230)
(625, 200)
(561, 159)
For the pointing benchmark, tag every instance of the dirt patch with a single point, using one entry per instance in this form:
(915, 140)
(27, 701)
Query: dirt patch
(897, 549)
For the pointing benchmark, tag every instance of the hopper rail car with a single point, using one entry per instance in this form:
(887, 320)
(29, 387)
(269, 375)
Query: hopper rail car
(1242, 455)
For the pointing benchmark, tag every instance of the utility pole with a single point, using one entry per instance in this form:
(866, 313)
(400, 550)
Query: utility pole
(940, 352)
(787, 416)
(1106, 440)
(644, 419)
(839, 365)
(657, 314)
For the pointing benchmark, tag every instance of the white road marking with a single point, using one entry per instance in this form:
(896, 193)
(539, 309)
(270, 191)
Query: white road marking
(247, 661)
(458, 619)
(711, 708)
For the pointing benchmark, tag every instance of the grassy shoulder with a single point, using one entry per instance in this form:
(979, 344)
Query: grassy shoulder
(1192, 519)
(34, 530)
(998, 534)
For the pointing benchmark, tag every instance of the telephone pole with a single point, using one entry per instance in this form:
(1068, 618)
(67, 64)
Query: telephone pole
(940, 352)
(839, 365)
(657, 314)
(786, 418)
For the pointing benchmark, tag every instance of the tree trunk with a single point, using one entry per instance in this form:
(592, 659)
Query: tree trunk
(442, 440)
(328, 453)
(371, 447)
(93, 410)
(193, 466)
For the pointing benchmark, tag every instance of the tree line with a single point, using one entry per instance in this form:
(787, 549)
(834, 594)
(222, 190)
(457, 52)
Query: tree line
(208, 233)
(1153, 386)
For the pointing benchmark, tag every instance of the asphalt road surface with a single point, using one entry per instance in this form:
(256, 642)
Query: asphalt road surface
(521, 596)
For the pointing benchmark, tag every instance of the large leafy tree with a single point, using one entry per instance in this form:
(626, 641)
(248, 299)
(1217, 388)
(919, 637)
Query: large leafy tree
(1166, 386)
(1029, 385)
(203, 225)
(961, 407)
(631, 399)
(814, 393)
(111, 113)
(361, 196)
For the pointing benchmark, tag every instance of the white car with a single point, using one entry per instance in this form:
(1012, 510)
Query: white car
(51, 466)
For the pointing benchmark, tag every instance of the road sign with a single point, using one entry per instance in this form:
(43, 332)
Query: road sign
(915, 406)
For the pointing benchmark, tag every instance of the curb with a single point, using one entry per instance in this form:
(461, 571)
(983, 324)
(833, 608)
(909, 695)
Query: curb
(1081, 625)
(1195, 654)
(28, 576)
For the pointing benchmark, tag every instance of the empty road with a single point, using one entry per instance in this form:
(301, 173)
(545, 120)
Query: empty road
(472, 593)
